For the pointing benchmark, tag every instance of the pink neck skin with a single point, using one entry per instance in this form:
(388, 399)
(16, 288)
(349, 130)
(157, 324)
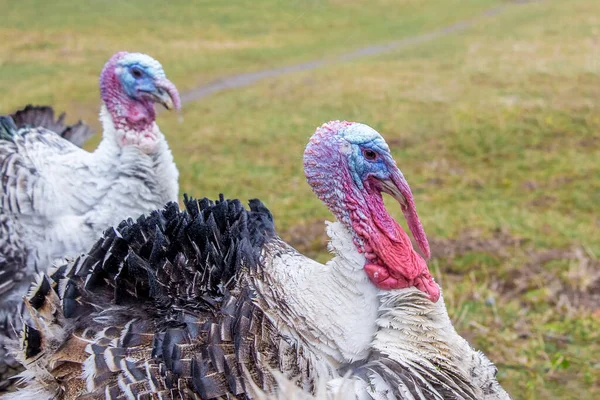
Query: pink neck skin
(392, 263)
(132, 118)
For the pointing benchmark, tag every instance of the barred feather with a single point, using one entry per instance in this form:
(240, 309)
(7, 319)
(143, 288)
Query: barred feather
(161, 306)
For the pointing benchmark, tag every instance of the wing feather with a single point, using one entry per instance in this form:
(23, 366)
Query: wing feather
(26, 168)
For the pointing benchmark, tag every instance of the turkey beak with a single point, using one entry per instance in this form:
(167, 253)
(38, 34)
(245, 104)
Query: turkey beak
(166, 94)
(162, 96)
(397, 187)
(388, 186)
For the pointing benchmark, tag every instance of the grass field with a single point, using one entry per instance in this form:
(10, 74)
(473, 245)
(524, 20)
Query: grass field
(496, 129)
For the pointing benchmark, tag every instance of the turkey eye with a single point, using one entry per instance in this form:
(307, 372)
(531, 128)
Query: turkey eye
(136, 73)
(370, 155)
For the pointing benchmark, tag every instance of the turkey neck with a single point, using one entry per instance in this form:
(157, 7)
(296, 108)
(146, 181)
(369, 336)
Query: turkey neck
(128, 178)
(329, 309)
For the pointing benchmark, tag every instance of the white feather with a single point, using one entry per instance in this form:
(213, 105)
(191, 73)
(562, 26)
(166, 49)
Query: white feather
(73, 195)
(336, 302)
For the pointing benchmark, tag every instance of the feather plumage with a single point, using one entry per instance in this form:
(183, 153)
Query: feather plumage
(14, 277)
(178, 304)
(56, 198)
(210, 303)
(43, 117)
(415, 354)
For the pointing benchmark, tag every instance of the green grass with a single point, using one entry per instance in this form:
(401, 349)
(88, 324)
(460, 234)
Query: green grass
(51, 49)
(496, 129)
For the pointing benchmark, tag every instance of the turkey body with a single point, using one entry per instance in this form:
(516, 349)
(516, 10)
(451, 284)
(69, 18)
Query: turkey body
(415, 354)
(56, 199)
(193, 304)
(59, 197)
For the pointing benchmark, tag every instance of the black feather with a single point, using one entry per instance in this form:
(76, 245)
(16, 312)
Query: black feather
(43, 116)
(32, 341)
(166, 294)
(38, 298)
(8, 128)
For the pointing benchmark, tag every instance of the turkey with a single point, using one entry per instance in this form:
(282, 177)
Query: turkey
(56, 198)
(207, 301)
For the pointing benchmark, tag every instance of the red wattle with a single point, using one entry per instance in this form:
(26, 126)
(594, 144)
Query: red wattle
(396, 265)
(382, 279)
(398, 256)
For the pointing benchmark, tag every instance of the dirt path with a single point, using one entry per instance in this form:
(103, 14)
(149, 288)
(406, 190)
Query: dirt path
(242, 80)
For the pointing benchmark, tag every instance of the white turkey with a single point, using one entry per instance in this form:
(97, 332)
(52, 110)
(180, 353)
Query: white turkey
(416, 353)
(206, 302)
(56, 198)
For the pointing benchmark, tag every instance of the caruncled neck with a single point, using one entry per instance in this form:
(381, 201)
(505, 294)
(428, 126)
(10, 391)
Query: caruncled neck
(391, 260)
(132, 119)
(117, 136)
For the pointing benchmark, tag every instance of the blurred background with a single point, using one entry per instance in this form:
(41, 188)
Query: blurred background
(490, 108)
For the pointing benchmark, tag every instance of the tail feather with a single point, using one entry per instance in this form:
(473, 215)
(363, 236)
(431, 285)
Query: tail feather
(43, 116)
(31, 342)
(47, 330)
(135, 314)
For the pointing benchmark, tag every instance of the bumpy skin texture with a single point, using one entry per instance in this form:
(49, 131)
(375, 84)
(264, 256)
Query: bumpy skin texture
(350, 186)
(128, 101)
